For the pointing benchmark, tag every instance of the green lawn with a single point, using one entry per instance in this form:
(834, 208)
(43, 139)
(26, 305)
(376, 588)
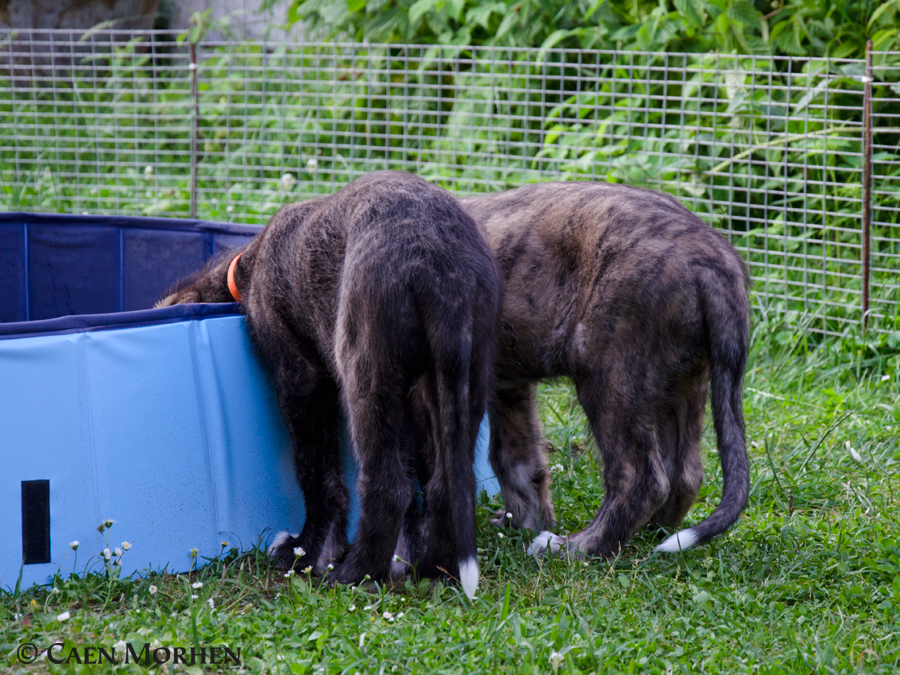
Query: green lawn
(807, 581)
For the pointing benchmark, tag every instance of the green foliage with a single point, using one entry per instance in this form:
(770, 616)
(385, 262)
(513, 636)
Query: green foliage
(782, 27)
(766, 149)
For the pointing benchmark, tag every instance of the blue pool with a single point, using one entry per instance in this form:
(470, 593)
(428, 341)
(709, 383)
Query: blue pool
(159, 419)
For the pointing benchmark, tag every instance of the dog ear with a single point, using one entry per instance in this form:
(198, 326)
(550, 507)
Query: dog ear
(179, 298)
(189, 296)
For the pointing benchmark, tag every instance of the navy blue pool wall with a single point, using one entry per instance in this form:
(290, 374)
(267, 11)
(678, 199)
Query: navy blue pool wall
(59, 265)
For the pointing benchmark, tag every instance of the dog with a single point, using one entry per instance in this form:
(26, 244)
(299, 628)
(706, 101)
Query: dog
(643, 305)
(383, 300)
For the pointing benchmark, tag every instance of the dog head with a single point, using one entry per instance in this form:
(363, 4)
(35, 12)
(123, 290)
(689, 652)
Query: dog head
(210, 284)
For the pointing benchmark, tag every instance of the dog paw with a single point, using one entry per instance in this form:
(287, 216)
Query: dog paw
(502, 518)
(288, 552)
(279, 541)
(347, 573)
(546, 542)
(400, 568)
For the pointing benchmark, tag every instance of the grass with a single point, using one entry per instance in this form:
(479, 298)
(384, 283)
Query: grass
(808, 581)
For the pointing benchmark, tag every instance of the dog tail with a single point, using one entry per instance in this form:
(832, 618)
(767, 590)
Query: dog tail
(456, 453)
(723, 298)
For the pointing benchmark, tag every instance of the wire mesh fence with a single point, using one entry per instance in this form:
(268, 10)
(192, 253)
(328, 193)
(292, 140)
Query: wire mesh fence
(885, 203)
(772, 151)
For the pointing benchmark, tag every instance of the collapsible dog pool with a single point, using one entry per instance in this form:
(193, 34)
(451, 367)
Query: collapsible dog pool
(158, 419)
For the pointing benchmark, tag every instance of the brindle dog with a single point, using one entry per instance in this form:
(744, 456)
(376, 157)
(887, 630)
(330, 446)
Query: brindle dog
(641, 304)
(383, 299)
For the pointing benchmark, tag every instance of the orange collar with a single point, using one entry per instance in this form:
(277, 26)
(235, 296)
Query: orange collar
(235, 293)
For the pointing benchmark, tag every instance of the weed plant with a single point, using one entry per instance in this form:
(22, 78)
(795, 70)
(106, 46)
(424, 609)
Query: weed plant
(808, 581)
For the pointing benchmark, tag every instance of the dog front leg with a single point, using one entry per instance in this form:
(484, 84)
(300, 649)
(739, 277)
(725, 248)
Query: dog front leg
(519, 461)
(312, 419)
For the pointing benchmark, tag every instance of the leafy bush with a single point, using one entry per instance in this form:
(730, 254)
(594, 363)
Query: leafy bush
(782, 27)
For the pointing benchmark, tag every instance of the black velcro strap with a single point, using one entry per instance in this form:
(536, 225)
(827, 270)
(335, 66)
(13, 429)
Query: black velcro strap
(35, 521)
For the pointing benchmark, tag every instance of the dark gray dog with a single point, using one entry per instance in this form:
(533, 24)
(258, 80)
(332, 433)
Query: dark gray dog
(383, 298)
(642, 304)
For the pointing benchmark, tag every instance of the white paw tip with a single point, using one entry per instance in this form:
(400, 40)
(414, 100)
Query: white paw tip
(468, 576)
(280, 538)
(546, 540)
(680, 541)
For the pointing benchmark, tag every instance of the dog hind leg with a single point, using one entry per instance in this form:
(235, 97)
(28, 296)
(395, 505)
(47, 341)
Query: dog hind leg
(686, 466)
(636, 481)
(379, 423)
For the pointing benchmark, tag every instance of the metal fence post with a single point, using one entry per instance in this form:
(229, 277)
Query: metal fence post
(195, 114)
(867, 185)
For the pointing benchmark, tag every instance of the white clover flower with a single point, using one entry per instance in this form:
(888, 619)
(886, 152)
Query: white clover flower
(73, 545)
(148, 172)
(557, 468)
(210, 603)
(117, 551)
(153, 590)
(126, 545)
(197, 584)
(312, 164)
(299, 552)
(107, 553)
(63, 617)
(734, 82)
(287, 182)
(556, 660)
(853, 453)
